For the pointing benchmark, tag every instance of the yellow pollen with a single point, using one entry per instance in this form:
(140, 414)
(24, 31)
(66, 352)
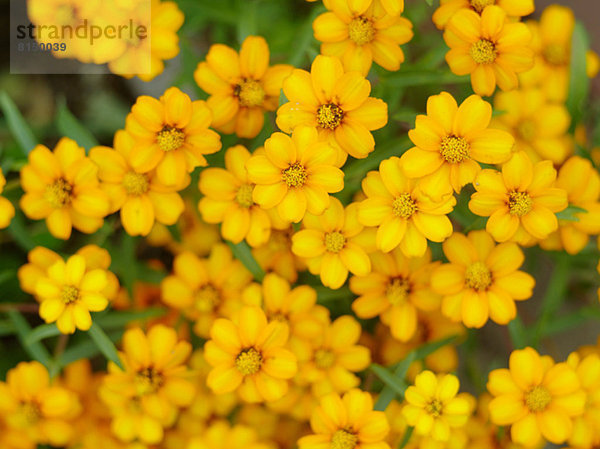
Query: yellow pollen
(248, 361)
(484, 52)
(58, 194)
(250, 93)
(148, 380)
(454, 149)
(342, 439)
(207, 297)
(31, 411)
(519, 203)
(479, 5)
(434, 408)
(135, 183)
(555, 54)
(324, 358)
(244, 196)
(404, 206)
(170, 138)
(361, 30)
(527, 130)
(397, 290)
(478, 276)
(334, 241)
(69, 294)
(277, 316)
(295, 175)
(329, 116)
(537, 399)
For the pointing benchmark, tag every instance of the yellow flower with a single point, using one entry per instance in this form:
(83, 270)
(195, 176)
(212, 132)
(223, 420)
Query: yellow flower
(7, 210)
(296, 174)
(347, 422)
(171, 134)
(228, 200)
(141, 198)
(41, 412)
(241, 86)
(205, 289)
(537, 397)
(394, 290)
(540, 127)
(250, 357)
(520, 198)
(276, 255)
(68, 293)
(331, 243)
(221, 435)
(489, 47)
(482, 280)
(447, 9)
(581, 181)
(433, 407)
(62, 187)
(406, 216)
(592, 63)
(336, 103)
(362, 32)
(450, 141)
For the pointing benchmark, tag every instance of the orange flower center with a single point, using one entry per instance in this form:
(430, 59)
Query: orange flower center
(397, 290)
(519, 203)
(484, 51)
(59, 193)
(148, 380)
(295, 175)
(527, 130)
(537, 399)
(248, 361)
(244, 196)
(555, 54)
(329, 116)
(324, 358)
(207, 297)
(434, 408)
(478, 276)
(135, 183)
(479, 5)
(404, 206)
(170, 138)
(361, 30)
(250, 93)
(334, 241)
(454, 149)
(343, 439)
(69, 294)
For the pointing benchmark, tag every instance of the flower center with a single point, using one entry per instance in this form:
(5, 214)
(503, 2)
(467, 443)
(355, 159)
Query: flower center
(397, 291)
(519, 203)
(31, 411)
(329, 116)
(361, 30)
(324, 358)
(207, 297)
(404, 206)
(170, 138)
(478, 276)
(334, 241)
(434, 408)
(342, 439)
(248, 361)
(527, 130)
(135, 183)
(244, 196)
(454, 149)
(69, 294)
(479, 5)
(58, 194)
(484, 52)
(538, 399)
(555, 54)
(250, 93)
(148, 380)
(295, 175)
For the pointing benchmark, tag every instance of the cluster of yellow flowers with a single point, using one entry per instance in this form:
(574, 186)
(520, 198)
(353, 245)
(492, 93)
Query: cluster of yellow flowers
(258, 357)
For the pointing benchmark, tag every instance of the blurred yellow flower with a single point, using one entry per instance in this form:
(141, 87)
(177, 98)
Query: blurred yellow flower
(7, 210)
(513, 8)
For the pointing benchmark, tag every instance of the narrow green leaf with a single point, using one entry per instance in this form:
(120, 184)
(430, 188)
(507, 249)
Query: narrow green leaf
(117, 319)
(579, 83)
(19, 232)
(17, 124)
(397, 384)
(518, 333)
(104, 344)
(41, 332)
(569, 213)
(426, 350)
(406, 437)
(571, 320)
(69, 126)
(305, 39)
(242, 252)
(7, 328)
(429, 2)
(35, 350)
(85, 349)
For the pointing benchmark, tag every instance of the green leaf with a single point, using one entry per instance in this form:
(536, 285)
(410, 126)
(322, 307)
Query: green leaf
(518, 333)
(17, 124)
(35, 350)
(19, 232)
(85, 349)
(303, 39)
(569, 213)
(571, 320)
(70, 127)
(579, 83)
(356, 170)
(242, 252)
(406, 437)
(114, 319)
(403, 79)
(41, 332)
(104, 344)
(7, 328)
(429, 2)
(397, 384)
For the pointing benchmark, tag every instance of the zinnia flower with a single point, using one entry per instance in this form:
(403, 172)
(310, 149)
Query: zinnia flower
(447, 9)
